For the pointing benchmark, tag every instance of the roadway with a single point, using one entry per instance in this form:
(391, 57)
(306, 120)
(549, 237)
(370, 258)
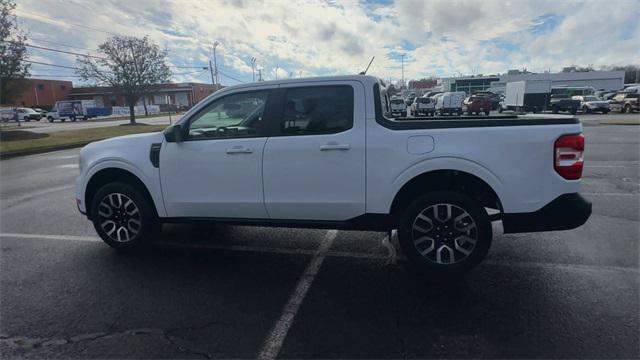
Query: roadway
(221, 292)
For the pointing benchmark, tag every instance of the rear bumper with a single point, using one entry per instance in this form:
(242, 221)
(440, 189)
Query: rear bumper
(567, 211)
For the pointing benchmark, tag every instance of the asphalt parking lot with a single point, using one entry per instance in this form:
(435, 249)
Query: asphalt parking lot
(241, 292)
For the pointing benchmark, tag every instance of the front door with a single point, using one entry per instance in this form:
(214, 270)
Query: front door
(216, 171)
(314, 165)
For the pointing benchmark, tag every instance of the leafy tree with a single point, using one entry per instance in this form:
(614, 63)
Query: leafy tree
(130, 65)
(13, 53)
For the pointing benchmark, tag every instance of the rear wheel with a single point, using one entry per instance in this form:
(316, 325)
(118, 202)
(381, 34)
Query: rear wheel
(444, 233)
(50, 118)
(123, 217)
(627, 109)
(486, 113)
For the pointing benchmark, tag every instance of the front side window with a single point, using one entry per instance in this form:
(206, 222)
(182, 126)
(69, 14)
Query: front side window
(233, 116)
(317, 110)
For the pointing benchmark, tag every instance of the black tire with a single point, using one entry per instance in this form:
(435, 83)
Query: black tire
(115, 197)
(430, 263)
(585, 110)
(500, 110)
(554, 110)
(627, 109)
(73, 119)
(574, 111)
(486, 113)
(50, 119)
(63, 119)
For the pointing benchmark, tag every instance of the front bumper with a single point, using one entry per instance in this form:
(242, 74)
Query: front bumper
(567, 211)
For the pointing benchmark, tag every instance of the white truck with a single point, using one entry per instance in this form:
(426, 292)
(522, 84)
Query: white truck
(450, 103)
(323, 153)
(423, 106)
(527, 96)
(397, 107)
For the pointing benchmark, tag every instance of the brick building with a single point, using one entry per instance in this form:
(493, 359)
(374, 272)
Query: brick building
(181, 95)
(43, 93)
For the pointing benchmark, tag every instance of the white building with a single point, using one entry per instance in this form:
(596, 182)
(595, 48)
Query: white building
(600, 80)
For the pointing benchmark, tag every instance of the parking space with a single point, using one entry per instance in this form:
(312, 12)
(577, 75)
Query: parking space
(207, 291)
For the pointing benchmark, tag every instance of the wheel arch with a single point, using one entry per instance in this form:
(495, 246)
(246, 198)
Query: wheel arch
(446, 179)
(111, 175)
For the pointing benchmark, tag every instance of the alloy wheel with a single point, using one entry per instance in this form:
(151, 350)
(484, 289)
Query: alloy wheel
(119, 217)
(444, 234)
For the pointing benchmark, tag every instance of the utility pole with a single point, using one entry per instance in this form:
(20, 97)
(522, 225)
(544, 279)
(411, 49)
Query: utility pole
(215, 62)
(402, 60)
(213, 79)
(276, 72)
(253, 68)
(259, 74)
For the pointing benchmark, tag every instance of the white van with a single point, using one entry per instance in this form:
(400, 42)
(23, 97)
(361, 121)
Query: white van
(450, 103)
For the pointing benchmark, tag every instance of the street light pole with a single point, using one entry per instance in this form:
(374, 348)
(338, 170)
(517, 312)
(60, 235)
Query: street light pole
(215, 62)
(213, 79)
(276, 72)
(253, 68)
(402, 60)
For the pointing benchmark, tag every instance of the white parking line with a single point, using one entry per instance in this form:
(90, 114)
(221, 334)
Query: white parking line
(50, 237)
(276, 337)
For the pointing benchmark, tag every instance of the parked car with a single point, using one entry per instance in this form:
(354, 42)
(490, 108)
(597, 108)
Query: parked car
(495, 98)
(562, 102)
(423, 106)
(608, 95)
(40, 111)
(591, 103)
(635, 89)
(450, 103)
(398, 107)
(476, 105)
(624, 102)
(28, 114)
(54, 115)
(355, 168)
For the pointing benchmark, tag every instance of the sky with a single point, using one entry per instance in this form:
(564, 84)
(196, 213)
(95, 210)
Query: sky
(338, 37)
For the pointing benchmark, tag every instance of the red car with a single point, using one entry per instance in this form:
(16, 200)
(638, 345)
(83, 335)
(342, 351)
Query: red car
(476, 105)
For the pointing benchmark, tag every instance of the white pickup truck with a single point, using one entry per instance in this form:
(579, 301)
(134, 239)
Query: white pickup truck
(323, 153)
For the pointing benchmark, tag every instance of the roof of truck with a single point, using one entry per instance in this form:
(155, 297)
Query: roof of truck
(365, 79)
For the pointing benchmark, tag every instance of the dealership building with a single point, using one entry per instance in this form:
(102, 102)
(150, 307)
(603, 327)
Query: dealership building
(181, 95)
(599, 80)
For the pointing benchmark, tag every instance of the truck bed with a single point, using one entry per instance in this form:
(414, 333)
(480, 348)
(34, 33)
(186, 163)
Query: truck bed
(442, 122)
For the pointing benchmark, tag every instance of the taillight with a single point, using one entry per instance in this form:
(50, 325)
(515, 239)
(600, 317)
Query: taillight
(568, 161)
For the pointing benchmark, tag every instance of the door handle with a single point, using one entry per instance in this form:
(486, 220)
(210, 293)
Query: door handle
(331, 146)
(239, 150)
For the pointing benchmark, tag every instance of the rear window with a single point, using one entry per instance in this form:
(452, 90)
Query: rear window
(317, 110)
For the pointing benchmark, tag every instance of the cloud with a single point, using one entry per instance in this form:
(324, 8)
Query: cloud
(317, 37)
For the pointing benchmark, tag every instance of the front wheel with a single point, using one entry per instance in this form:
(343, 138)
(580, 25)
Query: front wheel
(486, 113)
(627, 109)
(444, 233)
(123, 217)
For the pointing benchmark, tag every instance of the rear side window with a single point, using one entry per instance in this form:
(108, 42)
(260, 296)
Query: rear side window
(317, 110)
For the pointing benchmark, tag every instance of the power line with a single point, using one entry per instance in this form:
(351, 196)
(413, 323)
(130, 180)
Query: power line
(56, 50)
(231, 77)
(59, 44)
(54, 65)
(66, 22)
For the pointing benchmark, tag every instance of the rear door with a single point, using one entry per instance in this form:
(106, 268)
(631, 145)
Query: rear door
(314, 162)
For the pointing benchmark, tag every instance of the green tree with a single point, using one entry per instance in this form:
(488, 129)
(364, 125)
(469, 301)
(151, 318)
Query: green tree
(13, 53)
(130, 65)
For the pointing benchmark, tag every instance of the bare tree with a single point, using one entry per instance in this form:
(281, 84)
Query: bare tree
(128, 64)
(13, 53)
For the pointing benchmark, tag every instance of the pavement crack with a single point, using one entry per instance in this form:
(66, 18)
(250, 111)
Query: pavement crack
(185, 345)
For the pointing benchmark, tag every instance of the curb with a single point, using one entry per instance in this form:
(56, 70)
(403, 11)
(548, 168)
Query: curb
(19, 153)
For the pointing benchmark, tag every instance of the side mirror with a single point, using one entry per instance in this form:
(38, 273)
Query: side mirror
(173, 133)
